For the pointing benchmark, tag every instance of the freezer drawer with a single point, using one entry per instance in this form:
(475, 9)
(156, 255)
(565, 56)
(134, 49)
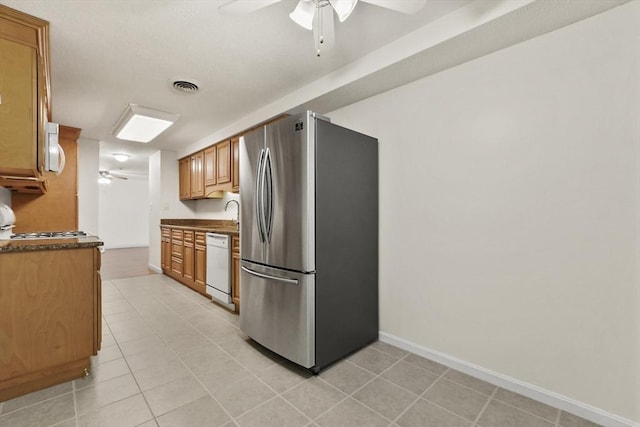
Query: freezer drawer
(277, 310)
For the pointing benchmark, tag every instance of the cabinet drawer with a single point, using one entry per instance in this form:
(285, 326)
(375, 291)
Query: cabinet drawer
(165, 232)
(176, 250)
(201, 238)
(188, 235)
(176, 234)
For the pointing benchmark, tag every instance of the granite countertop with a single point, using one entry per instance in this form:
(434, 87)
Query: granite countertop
(222, 226)
(49, 244)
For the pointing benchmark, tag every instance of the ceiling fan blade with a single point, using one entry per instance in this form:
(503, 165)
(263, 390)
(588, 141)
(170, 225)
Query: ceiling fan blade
(242, 7)
(405, 6)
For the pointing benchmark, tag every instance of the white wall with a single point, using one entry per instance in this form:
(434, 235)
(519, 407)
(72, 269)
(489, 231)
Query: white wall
(164, 200)
(509, 206)
(124, 213)
(88, 187)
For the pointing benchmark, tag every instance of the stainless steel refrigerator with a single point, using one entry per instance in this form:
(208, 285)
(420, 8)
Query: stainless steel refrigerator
(309, 239)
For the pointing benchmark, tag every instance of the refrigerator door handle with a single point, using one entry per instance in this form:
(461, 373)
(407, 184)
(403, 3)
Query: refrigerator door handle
(270, 277)
(259, 196)
(268, 203)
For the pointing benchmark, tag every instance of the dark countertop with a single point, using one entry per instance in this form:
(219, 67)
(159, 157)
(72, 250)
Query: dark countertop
(222, 226)
(49, 244)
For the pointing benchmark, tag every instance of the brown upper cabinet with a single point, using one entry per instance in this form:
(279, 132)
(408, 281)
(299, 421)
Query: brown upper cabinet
(223, 174)
(235, 164)
(25, 101)
(184, 177)
(197, 175)
(210, 166)
(210, 172)
(221, 169)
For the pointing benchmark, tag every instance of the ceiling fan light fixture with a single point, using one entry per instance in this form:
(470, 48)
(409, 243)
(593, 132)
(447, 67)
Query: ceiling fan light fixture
(121, 157)
(303, 14)
(142, 124)
(343, 8)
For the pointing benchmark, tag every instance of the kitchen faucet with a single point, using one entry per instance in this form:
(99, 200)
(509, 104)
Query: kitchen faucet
(237, 221)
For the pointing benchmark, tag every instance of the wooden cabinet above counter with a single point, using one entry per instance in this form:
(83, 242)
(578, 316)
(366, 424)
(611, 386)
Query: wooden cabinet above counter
(25, 100)
(208, 173)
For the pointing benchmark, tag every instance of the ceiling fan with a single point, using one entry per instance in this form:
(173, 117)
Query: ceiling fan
(316, 16)
(106, 177)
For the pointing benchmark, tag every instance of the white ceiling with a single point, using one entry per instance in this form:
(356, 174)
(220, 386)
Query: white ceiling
(106, 54)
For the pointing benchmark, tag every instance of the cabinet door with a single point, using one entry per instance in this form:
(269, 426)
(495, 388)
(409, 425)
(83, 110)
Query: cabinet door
(210, 166)
(177, 251)
(187, 263)
(185, 178)
(165, 248)
(235, 165)
(223, 174)
(197, 176)
(200, 262)
(19, 112)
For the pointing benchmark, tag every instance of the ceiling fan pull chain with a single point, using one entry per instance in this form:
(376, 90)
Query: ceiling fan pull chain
(320, 37)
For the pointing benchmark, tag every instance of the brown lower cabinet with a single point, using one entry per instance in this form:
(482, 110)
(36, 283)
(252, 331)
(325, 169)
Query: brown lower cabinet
(50, 317)
(200, 260)
(183, 256)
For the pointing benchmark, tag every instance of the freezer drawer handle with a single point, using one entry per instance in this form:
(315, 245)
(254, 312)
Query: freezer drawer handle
(267, 276)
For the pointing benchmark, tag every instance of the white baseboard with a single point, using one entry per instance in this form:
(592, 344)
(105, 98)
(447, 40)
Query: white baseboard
(154, 268)
(556, 400)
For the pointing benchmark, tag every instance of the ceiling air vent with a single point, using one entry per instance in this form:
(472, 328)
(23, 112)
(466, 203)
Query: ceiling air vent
(185, 86)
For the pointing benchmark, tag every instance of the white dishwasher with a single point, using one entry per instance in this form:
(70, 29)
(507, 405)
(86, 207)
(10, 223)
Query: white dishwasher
(218, 261)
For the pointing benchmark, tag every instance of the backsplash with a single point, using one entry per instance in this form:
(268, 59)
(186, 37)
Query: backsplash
(214, 208)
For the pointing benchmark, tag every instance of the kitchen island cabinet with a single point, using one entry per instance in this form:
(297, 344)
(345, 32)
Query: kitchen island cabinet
(50, 312)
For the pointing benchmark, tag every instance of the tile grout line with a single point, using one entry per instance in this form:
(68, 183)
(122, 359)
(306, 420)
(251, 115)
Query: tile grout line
(528, 412)
(153, 416)
(179, 358)
(420, 395)
(484, 407)
(124, 357)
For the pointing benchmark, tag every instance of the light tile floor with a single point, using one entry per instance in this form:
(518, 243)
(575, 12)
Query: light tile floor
(170, 357)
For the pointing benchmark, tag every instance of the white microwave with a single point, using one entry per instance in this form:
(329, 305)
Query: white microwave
(54, 158)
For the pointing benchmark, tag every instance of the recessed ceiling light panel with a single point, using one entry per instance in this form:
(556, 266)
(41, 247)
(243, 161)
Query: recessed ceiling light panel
(142, 124)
